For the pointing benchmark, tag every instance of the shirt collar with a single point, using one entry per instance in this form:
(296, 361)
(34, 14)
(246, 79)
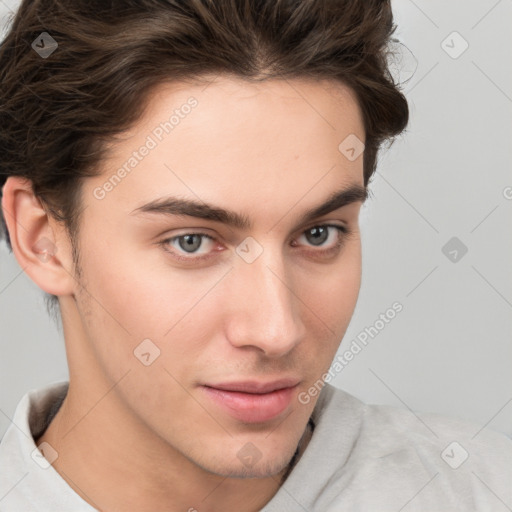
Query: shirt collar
(27, 480)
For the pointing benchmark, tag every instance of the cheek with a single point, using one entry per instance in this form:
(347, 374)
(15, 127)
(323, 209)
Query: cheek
(123, 305)
(131, 297)
(337, 295)
(330, 305)
(137, 292)
(137, 296)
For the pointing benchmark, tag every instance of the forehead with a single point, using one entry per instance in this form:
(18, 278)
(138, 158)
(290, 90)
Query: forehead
(327, 102)
(227, 104)
(231, 140)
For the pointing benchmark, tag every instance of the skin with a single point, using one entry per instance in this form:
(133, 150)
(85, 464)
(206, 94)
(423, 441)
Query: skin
(268, 151)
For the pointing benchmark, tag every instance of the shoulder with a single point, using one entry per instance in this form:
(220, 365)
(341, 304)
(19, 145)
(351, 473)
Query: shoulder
(455, 463)
(387, 427)
(457, 439)
(397, 426)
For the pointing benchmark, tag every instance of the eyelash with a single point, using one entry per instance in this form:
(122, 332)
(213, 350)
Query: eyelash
(343, 232)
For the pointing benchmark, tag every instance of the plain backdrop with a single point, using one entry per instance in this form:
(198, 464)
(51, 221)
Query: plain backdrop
(447, 180)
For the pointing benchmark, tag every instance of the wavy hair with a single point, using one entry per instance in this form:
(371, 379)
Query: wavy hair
(58, 114)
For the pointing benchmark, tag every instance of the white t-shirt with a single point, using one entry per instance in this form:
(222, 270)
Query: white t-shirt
(361, 458)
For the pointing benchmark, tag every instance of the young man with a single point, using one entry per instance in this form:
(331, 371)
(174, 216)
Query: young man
(184, 180)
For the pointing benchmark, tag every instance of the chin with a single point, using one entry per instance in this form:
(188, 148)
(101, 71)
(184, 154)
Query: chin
(263, 468)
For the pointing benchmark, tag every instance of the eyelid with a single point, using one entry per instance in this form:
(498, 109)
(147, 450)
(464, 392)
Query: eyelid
(325, 223)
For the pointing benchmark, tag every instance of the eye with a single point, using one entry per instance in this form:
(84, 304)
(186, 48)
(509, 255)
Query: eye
(318, 235)
(193, 244)
(188, 243)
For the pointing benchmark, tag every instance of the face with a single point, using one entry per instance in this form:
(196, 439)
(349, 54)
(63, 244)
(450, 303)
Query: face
(179, 301)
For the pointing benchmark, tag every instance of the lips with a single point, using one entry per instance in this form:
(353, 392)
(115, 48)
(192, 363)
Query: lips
(252, 401)
(256, 387)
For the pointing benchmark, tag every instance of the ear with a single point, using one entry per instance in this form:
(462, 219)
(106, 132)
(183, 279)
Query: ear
(39, 243)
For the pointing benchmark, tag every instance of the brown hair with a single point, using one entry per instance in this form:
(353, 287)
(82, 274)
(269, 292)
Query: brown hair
(57, 114)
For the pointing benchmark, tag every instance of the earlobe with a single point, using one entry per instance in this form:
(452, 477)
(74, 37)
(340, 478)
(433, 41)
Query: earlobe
(41, 250)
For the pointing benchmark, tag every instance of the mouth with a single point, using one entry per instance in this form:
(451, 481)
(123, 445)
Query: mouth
(252, 401)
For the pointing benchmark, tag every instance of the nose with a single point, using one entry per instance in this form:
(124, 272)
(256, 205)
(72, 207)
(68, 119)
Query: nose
(264, 307)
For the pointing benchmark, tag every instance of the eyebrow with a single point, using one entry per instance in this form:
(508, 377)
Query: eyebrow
(174, 206)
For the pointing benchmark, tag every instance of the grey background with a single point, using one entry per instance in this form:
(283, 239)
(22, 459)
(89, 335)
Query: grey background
(449, 350)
